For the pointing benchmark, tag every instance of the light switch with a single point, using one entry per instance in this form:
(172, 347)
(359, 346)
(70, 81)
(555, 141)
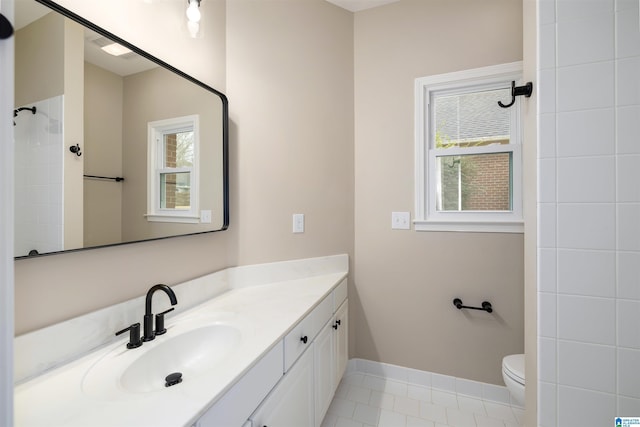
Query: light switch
(298, 223)
(205, 217)
(400, 221)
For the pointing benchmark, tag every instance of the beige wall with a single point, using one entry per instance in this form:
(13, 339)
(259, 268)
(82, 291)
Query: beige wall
(103, 150)
(155, 95)
(290, 88)
(39, 76)
(405, 281)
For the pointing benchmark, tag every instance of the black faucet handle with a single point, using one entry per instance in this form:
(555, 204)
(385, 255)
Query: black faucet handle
(160, 329)
(134, 335)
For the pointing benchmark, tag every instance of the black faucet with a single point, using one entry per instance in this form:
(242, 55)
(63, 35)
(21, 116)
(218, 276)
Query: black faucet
(149, 333)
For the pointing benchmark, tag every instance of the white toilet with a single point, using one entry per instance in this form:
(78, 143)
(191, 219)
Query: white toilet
(513, 376)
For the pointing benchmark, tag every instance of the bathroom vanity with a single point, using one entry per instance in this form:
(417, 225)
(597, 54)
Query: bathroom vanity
(256, 345)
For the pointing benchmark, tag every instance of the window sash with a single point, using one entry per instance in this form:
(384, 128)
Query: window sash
(162, 186)
(160, 171)
(473, 215)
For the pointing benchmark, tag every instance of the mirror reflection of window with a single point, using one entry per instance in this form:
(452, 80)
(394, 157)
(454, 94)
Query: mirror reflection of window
(172, 171)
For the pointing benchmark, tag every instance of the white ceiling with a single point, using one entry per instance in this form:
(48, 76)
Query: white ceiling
(358, 5)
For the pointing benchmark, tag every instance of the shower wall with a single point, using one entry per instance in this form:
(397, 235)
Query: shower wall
(588, 212)
(39, 170)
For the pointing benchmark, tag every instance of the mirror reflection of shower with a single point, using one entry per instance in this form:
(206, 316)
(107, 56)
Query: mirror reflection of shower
(39, 172)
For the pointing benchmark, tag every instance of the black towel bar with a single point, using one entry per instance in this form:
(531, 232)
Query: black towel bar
(116, 178)
(486, 306)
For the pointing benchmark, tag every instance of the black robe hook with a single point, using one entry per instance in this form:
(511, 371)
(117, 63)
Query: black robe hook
(75, 149)
(525, 90)
(6, 29)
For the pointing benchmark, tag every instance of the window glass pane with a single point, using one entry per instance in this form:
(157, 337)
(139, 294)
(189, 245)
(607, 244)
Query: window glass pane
(471, 119)
(475, 182)
(178, 149)
(175, 190)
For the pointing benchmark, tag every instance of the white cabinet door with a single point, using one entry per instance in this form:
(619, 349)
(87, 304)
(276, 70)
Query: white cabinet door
(341, 340)
(291, 402)
(324, 370)
(237, 404)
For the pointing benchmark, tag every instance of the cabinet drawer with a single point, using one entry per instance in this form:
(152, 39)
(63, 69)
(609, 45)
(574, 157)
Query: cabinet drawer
(296, 341)
(339, 295)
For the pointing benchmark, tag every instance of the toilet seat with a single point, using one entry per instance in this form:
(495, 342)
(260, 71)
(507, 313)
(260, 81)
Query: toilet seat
(513, 367)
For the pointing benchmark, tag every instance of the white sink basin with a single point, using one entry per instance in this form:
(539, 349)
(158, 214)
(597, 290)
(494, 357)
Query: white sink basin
(194, 352)
(190, 353)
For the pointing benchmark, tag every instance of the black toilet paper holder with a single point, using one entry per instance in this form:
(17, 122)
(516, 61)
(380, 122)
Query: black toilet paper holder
(486, 306)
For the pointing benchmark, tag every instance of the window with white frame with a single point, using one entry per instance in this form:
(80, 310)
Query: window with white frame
(172, 170)
(468, 151)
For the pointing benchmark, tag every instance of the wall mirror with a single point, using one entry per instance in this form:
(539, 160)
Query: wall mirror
(111, 148)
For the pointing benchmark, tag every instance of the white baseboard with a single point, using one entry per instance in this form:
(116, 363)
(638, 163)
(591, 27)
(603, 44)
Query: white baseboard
(475, 389)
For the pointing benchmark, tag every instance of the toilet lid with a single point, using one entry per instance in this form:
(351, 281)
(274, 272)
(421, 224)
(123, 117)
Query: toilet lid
(514, 367)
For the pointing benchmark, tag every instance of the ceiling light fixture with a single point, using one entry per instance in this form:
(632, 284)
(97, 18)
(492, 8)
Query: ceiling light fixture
(115, 49)
(193, 17)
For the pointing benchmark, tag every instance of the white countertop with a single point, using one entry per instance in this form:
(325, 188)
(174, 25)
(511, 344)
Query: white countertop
(267, 312)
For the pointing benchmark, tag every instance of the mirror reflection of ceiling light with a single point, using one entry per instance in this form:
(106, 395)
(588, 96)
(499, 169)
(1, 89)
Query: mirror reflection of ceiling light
(193, 17)
(115, 49)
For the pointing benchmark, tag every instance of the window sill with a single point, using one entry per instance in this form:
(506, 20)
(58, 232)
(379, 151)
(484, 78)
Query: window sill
(470, 226)
(184, 219)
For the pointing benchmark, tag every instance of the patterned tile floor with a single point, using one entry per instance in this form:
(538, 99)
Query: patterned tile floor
(364, 400)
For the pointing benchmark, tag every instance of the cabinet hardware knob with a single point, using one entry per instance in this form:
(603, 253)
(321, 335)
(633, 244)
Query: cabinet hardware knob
(335, 326)
(304, 339)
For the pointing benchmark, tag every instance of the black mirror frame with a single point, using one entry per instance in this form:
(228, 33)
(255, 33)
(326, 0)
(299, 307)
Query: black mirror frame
(225, 126)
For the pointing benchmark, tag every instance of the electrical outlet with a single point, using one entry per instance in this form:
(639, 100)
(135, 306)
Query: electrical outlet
(400, 221)
(298, 223)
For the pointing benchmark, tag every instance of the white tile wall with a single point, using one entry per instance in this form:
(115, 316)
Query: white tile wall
(628, 266)
(547, 351)
(586, 86)
(586, 225)
(586, 133)
(626, 126)
(589, 273)
(627, 185)
(39, 175)
(629, 226)
(547, 270)
(576, 358)
(581, 407)
(589, 211)
(628, 86)
(577, 10)
(628, 332)
(547, 134)
(588, 40)
(629, 374)
(586, 179)
(586, 319)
